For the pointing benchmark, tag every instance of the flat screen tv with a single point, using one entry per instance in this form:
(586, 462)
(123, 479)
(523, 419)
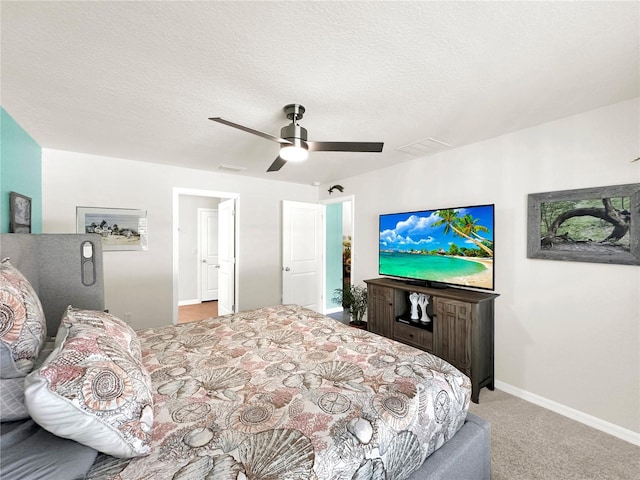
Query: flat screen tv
(439, 248)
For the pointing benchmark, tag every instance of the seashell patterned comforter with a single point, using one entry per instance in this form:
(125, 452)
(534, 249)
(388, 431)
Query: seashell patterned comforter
(287, 393)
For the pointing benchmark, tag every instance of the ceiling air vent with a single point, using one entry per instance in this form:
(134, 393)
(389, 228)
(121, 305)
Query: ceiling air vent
(426, 146)
(230, 168)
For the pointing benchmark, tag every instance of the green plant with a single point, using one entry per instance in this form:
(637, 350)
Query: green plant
(353, 298)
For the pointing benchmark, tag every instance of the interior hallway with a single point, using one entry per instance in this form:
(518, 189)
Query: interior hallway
(198, 311)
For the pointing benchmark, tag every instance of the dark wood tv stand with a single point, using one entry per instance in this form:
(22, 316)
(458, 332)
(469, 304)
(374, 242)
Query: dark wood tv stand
(461, 330)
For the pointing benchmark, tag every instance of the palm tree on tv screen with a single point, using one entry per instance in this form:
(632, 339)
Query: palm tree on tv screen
(465, 227)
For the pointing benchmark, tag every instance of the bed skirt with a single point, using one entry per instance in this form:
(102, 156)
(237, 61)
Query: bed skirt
(467, 456)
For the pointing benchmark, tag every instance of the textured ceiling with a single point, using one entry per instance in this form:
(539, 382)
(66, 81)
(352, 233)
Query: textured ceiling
(138, 80)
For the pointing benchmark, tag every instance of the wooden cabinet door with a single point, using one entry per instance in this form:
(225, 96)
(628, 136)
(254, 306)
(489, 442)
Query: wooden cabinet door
(452, 333)
(380, 315)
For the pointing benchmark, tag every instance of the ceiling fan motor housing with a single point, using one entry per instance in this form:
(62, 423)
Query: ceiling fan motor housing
(295, 134)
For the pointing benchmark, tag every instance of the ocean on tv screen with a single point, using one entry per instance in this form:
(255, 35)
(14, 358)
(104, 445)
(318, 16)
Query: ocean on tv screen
(434, 268)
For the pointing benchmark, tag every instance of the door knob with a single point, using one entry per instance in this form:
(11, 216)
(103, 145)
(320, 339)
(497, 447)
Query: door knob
(287, 269)
(204, 260)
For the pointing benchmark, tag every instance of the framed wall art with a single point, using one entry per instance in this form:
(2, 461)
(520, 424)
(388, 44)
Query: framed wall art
(120, 228)
(19, 213)
(600, 225)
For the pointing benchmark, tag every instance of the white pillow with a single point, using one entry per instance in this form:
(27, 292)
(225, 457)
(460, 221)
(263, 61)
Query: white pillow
(93, 388)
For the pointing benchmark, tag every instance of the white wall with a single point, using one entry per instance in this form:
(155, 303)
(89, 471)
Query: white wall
(141, 282)
(568, 332)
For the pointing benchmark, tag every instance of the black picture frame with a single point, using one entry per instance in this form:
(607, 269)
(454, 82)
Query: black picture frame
(618, 215)
(20, 213)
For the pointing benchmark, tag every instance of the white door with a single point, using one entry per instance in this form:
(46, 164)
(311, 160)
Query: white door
(209, 266)
(226, 257)
(302, 254)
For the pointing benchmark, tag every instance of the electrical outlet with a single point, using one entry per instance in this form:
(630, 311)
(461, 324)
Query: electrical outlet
(127, 317)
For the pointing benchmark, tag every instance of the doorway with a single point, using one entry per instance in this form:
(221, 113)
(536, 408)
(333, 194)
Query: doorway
(339, 234)
(317, 240)
(196, 267)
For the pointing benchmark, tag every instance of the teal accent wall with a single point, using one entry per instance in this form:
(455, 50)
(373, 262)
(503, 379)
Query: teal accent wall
(334, 252)
(20, 170)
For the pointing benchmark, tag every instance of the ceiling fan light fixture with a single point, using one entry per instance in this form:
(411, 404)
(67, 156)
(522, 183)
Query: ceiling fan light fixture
(292, 149)
(296, 150)
(294, 153)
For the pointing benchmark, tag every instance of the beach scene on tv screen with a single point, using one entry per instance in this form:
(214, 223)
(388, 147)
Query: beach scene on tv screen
(452, 246)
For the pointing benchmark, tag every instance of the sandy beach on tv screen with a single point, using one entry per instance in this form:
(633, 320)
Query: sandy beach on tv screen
(483, 279)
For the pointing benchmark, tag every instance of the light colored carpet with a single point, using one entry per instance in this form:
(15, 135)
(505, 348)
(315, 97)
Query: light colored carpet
(529, 442)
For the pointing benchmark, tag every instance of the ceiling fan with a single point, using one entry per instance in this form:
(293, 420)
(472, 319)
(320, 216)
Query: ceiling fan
(294, 146)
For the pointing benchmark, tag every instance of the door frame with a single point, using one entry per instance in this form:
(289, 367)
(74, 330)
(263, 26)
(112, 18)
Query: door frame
(342, 199)
(177, 191)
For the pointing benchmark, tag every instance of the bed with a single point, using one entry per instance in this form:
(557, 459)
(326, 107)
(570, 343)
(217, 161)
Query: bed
(279, 392)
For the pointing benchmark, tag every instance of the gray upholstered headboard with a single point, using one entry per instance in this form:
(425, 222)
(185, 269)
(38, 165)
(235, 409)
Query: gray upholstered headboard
(64, 269)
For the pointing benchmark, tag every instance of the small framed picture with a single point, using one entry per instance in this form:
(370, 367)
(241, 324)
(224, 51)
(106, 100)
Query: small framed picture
(120, 228)
(20, 213)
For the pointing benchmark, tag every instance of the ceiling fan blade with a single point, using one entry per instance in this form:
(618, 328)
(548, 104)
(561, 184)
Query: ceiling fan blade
(345, 146)
(251, 130)
(277, 164)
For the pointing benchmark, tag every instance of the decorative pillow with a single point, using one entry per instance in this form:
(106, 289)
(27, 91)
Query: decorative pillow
(93, 388)
(111, 325)
(22, 323)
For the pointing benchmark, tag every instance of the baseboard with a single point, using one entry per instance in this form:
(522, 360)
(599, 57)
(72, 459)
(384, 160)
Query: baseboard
(182, 303)
(333, 310)
(595, 422)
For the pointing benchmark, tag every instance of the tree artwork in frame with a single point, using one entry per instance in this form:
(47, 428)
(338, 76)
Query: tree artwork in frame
(120, 228)
(600, 225)
(20, 213)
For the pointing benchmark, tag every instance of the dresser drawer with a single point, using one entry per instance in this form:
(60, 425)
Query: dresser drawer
(414, 336)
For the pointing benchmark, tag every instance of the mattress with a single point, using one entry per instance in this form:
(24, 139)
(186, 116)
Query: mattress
(287, 393)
